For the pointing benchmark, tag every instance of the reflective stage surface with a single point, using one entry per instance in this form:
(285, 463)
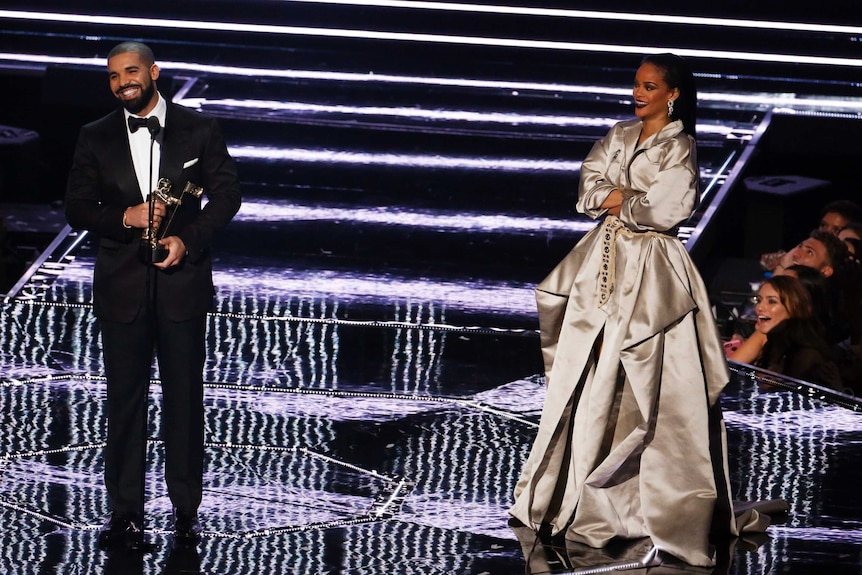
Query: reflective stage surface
(341, 445)
(373, 374)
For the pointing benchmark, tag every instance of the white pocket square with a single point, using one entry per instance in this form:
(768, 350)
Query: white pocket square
(190, 163)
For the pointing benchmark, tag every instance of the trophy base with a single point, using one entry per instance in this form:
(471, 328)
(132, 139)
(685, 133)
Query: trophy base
(152, 254)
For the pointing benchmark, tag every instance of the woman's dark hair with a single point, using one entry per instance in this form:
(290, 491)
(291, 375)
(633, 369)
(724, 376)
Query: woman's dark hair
(793, 295)
(822, 302)
(796, 348)
(815, 283)
(846, 282)
(677, 74)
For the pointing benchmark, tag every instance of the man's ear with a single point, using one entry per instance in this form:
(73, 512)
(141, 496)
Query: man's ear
(827, 271)
(154, 72)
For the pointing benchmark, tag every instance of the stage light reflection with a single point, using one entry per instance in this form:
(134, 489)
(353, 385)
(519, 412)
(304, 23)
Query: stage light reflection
(265, 211)
(789, 102)
(469, 116)
(332, 449)
(413, 113)
(417, 161)
(455, 294)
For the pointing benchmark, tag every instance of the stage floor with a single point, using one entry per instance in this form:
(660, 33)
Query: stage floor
(337, 443)
(373, 382)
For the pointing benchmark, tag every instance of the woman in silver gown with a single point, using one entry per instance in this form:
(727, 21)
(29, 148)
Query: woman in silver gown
(630, 442)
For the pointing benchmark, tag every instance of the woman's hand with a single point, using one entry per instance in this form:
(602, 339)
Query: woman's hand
(613, 203)
(749, 350)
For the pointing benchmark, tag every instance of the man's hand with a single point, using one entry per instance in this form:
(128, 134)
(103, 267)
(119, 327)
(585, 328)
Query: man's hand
(139, 216)
(176, 252)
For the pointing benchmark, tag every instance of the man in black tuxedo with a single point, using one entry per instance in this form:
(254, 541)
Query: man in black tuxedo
(156, 307)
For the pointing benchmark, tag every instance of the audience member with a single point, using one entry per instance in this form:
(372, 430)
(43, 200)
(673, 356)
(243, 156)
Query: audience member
(819, 288)
(821, 250)
(835, 216)
(837, 303)
(826, 265)
(788, 337)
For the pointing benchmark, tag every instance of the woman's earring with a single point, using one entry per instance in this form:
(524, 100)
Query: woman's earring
(670, 108)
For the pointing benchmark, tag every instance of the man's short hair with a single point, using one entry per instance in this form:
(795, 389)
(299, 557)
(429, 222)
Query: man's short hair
(836, 250)
(139, 48)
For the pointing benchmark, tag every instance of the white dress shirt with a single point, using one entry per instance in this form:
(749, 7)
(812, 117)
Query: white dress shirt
(140, 145)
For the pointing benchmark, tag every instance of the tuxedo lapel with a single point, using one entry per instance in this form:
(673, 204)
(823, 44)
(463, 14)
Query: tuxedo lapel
(118, 157)
(175, 147)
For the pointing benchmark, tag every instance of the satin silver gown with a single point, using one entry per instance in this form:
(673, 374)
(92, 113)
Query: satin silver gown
(631, 441)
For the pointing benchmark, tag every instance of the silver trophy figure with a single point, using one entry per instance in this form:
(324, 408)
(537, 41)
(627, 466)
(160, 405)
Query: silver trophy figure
(150, 249)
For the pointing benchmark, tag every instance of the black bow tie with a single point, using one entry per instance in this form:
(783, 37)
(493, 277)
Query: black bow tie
(135, 123)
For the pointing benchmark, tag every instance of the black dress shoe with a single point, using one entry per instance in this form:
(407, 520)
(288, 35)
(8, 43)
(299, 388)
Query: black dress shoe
(187, 527)
(122, 531)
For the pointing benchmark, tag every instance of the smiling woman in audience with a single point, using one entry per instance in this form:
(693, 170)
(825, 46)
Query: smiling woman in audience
(787, 336)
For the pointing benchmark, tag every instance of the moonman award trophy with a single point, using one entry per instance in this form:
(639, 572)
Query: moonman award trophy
(150, 250)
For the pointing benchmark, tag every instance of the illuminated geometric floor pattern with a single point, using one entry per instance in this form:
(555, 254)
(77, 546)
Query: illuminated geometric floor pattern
(373, 375)
(347, 446)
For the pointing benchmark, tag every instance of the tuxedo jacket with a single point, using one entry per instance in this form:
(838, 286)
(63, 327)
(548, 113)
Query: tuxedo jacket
(102, 184)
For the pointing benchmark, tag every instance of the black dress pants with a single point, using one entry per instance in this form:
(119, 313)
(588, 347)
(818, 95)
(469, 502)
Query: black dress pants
(128, 350)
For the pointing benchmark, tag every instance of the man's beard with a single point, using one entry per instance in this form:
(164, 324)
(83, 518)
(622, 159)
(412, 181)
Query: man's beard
(137, 104)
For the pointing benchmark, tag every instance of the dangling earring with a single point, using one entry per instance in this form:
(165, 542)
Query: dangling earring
(670, 108)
